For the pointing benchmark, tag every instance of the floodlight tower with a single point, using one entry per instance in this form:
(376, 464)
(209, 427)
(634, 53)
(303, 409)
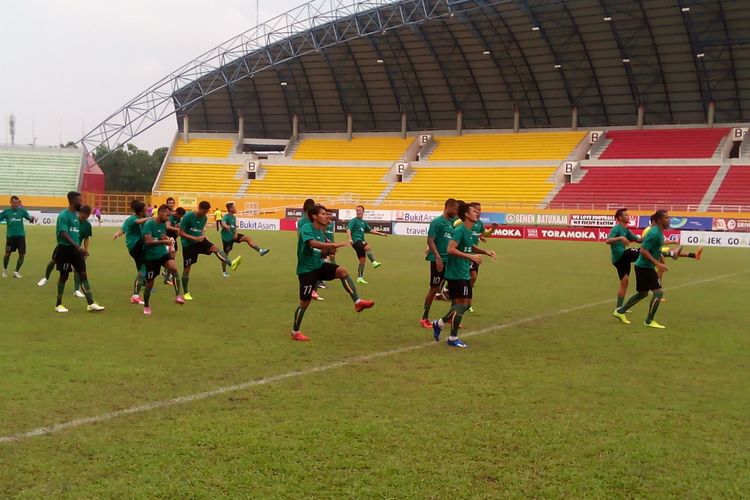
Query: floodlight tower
(12, 126)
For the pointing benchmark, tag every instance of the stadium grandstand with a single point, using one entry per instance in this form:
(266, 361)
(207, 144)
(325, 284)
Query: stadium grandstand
(525, 103)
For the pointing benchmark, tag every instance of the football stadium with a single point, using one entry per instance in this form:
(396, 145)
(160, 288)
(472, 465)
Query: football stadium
(296, 308)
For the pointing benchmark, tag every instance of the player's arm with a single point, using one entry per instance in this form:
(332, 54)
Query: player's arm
(64, 235)
(86, 245)
(149, 240)
(28, 217)
(187, 236)
(349, 232)
(370, 230)
(482, 251)
(454, 251)
(433, 248)
(659, 263)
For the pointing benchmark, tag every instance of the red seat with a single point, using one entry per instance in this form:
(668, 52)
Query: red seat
(735, 190)
(663, 143)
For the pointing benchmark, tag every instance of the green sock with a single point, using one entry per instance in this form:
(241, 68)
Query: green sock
(299, 313)
(185, 279)
(370, 256)
(255, 247)
(360, 270)
(222, 256)
(176, 283)
(77, 282)
(460, 310)
(654, 306)
(139, 282)
(147, 295)
(87, 291)
(620, 301)
(223, 266)
(449, 314)
(632, 301)
(6, 260)
(350, 288)
(21, 257)
(48, 271)
(426, 313)
(60, 291)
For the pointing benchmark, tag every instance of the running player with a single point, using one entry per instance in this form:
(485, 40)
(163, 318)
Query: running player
(312, 249)
(304, 221)
(15, 235)
(70, 255)
(461, 253)
(194, 242)
(159, 252)
(649, 261)
(173, 230)
(230, 236)
(132, 229)
(622, 257)
(438, 236)
(86, 232)
(356, 230)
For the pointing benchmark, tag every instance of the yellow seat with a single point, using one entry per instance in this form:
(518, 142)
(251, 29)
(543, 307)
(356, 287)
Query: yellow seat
(359, 148)
(525, 146)
(200, 177)
(365, 182)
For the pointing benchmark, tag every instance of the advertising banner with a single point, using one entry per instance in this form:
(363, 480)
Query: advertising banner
(707, 238)
(187, 202)
(670, 235)
(739, 225)
(415, 215)
(537, 219)
(493, 218)
(380, 215)
(410, 229)
(258, 224)
(293, 213)
(591, 220)
(383, 227)
(684, 223)
(512, 232)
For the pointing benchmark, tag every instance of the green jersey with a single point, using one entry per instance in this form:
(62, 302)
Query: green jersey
(86, 231)
(231, 221)
(358, 227)
(14, 219)
(441, 230)
(457, 268)
(477, 230)
(68, 222)
(618, 247)
(309, 258)
(132, 231)
(304, 221)
(174, 221)
(156, 230)
(193, 225)
(653, 242)
(330, 231)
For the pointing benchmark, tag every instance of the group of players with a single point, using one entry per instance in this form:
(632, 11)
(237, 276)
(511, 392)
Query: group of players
(453, 254)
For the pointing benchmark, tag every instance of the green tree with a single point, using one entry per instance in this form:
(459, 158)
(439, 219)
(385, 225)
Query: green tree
(130, 169)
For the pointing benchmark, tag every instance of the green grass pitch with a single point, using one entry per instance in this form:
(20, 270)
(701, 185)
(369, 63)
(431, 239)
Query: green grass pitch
(571, 403)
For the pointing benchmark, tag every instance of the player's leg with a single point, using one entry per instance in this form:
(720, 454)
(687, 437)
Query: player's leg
(243, 238)
(306, 285)
(691, 255)
(329, 272)
(368, 252)
(61, 288)
(656, 299)
(48, 269)
(462, 294)
(151, 271)
(79, 265)
(436, 279)
(6, 257)
(171, 268)
(21, 247)
(227, 248)
(644, 278)
(222, 256)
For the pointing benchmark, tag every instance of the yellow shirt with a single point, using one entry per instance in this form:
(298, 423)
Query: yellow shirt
(217, 215)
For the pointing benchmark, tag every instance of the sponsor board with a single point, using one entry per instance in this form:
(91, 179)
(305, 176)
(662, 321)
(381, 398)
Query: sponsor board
(187, 202)
(739, 225)
(592, 220)
(493, 218)
(684, 223)
(711, 239)
(244, 224)
(350, 213)
(670, 235)
(537, 219)
(383, 227)
(410, 229)
(296, 213)
(508, 232)
(415, 215)
(582, 234)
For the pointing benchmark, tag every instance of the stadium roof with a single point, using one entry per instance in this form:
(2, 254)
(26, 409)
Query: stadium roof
(431, 58)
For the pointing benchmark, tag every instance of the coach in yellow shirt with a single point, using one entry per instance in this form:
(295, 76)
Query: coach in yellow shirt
(217, 219)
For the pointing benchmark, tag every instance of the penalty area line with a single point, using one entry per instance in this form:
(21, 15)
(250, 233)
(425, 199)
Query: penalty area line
(167, 403)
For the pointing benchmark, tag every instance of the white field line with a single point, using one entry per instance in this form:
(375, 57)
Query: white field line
(157, 405)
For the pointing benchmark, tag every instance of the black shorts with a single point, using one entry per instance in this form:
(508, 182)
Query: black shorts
(228, 245)
(623, 265)
(137, 254)
(436, 277)
(308, 281)
(153, 267)
(473, 267)
(13, 243)
(459, 289)
(646, 279)
(190, 253)
(359, 247)
(69, 259)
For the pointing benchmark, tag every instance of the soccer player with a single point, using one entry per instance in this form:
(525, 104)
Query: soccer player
(217, 218)
(132, 229)
(312, 248)
(158, 253)
(438, 236)
(15, 236)
(86, 232)
(478, 233)
(622, 257)
(356, 230)
(98, 216)
(173, 231)
(675, 253)
(70, 255)
(330, 234)
(194, 243)
(649, 261)
(304, 221)
(461, 253)
(230, 236)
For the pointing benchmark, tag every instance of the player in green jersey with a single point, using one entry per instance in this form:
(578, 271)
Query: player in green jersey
(356, 230)
(173, 230)
(15, 236)
(461, 253)
(650, 260)
(70, 255)
(194, 243)
(132, 230)
(158, 252)
(330, 234)
(438, 236)
(619, 238)
(312, 248)
(86, 232)
(230, 236)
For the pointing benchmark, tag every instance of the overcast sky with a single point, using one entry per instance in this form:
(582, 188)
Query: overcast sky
(66, 64)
